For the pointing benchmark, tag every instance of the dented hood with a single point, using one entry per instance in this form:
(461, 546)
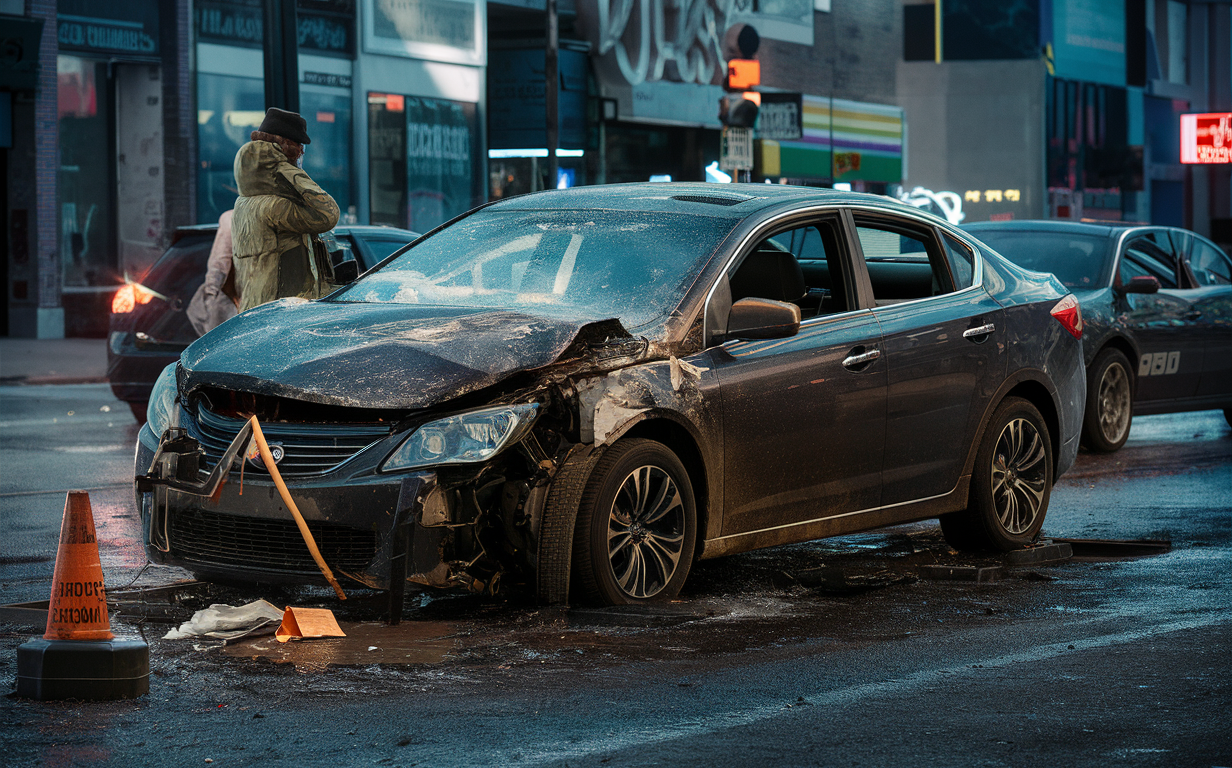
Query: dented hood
(372, 355)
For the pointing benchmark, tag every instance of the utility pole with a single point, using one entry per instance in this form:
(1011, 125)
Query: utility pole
(551, 77)
(281, 48)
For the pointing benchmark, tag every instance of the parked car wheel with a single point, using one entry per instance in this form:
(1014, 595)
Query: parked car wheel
(1010, 484)
(636, 526)
(1110, 394)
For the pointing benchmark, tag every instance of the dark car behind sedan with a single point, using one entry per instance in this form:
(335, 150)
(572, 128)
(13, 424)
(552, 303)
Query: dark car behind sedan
(584, 391)
(1158, 308)
(149, 319)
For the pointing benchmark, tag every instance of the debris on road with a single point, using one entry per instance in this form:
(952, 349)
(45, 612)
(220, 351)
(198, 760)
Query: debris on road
(226, 622)
(300, 623)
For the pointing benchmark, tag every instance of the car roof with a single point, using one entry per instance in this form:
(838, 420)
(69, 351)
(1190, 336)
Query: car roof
(722, 200)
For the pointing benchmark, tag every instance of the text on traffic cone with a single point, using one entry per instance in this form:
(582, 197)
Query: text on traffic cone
(78, 609)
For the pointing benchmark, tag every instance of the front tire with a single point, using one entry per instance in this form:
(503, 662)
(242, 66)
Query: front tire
(1109, 410)
(636, 526)
(1010, 484)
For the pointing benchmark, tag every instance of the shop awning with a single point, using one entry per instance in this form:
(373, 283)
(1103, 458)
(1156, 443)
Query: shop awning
(842, 141)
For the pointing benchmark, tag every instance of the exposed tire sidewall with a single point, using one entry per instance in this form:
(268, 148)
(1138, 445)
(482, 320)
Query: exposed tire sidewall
(611, 471)
(983, 507)
(1092, 434)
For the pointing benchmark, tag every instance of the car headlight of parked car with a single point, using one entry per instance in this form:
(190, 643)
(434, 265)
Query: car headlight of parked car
(463, 438)
(164, 410)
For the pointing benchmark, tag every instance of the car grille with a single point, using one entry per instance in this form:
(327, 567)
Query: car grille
(311, 449)
(209, 537)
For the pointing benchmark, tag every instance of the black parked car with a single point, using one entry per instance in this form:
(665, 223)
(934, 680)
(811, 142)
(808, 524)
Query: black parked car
(589, 389)
(1158, 307)
(149, 323)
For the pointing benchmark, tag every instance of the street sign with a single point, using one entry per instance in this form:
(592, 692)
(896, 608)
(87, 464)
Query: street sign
(780, 117)
(736, 153)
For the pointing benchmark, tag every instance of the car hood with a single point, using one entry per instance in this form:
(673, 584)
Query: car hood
(371, 355)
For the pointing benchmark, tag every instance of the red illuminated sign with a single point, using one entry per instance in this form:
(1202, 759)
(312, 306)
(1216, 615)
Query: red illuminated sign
(1206, 138)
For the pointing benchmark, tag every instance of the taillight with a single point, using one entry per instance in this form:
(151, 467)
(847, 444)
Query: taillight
(1069, 314)
(129, 296)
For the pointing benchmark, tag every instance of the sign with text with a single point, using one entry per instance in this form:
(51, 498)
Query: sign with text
(121, 28)
(780, 117)
(1206, 138)
(737, 149)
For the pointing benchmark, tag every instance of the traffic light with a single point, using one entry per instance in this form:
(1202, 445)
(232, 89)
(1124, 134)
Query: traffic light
(740, 45)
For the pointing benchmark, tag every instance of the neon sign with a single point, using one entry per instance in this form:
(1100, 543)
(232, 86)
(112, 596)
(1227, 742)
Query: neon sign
(1206, 138)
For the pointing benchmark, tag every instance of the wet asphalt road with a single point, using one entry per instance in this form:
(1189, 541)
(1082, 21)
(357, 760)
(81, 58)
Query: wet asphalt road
(830, 653)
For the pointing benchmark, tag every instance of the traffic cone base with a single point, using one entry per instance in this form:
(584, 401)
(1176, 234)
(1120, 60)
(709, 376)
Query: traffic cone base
(49, 670)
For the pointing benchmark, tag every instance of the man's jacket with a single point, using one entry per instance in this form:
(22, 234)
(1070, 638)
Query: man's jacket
(279, 210)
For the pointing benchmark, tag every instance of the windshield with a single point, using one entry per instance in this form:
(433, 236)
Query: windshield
(1078, 260)
(597, 264)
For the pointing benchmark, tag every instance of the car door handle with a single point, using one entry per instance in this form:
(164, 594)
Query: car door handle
(862, 359)
(975, 333)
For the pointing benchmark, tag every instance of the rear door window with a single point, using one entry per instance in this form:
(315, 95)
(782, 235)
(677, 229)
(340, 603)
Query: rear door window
(382, 248)
(1210, 265)
(904, 262)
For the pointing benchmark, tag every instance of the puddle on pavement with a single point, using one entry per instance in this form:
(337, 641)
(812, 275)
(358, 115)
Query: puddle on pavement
(414, 642)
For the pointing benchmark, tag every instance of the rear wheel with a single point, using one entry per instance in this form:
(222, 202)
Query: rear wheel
(636, 526)
(1109, 408)
(1010, 483)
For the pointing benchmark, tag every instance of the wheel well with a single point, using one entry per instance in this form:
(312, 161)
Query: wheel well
(1037, 394)
(681, 443)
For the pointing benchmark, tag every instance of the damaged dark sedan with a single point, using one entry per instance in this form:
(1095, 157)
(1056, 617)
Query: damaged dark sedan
(583, 392)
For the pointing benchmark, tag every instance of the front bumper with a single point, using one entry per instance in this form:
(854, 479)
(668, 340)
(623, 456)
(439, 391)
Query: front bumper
(367, 528)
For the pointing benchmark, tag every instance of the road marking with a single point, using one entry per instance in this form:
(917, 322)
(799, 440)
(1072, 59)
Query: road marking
(723, 721)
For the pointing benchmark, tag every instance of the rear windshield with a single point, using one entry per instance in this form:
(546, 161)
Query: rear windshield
(595, 264)
(1078, 260)
(182, 268)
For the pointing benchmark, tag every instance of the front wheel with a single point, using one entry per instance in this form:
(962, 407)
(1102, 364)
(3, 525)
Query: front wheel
(636, 526)
(1109, 411)
(1010, 483)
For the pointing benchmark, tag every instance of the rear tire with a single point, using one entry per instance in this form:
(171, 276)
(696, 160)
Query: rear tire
(636, 526)
(1110, 407)
(1011, 483)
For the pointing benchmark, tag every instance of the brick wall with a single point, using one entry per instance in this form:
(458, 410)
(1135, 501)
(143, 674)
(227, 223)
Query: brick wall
(47, 159)
(179, 125)
(855, 52)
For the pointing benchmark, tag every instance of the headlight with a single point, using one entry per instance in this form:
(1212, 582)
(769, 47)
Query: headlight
(163, 410)
(464, 438)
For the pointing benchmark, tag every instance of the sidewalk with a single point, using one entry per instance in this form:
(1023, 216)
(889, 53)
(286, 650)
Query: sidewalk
(53, 361)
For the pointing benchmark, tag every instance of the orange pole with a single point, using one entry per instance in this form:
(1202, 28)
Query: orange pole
(268, 458)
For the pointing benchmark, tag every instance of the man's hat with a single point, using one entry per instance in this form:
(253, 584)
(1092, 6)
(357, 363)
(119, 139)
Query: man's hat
(289, 125)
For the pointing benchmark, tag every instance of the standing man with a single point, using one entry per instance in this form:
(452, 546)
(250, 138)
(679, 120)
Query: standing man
(278, 215)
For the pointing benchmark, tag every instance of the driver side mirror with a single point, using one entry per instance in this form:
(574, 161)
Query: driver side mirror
(755, 318)
(346, 272)
(1141, 284)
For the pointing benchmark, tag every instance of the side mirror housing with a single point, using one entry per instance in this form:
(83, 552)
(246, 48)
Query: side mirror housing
(346, 272)
(755, 318)
(1141, 284)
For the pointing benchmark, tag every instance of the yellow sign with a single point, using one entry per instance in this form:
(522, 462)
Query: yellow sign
(992, 195)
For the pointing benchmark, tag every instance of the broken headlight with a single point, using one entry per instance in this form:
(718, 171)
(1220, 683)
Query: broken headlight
(163, 410)
(463, 438)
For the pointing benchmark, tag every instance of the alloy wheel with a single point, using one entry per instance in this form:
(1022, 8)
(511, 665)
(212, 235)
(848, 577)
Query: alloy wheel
(645, 532)
(1019, 475)
(1113, 402)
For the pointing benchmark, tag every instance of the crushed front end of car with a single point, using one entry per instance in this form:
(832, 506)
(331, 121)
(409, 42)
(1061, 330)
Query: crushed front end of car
(424, 471)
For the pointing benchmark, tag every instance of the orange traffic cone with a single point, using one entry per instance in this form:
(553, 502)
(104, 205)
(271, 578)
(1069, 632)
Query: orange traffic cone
(78, 657)
(78, 601)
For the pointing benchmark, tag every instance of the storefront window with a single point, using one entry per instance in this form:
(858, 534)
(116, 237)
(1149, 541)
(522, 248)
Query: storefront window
(86, 178)
(422, 169)
(328, 158)
(228, 110)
